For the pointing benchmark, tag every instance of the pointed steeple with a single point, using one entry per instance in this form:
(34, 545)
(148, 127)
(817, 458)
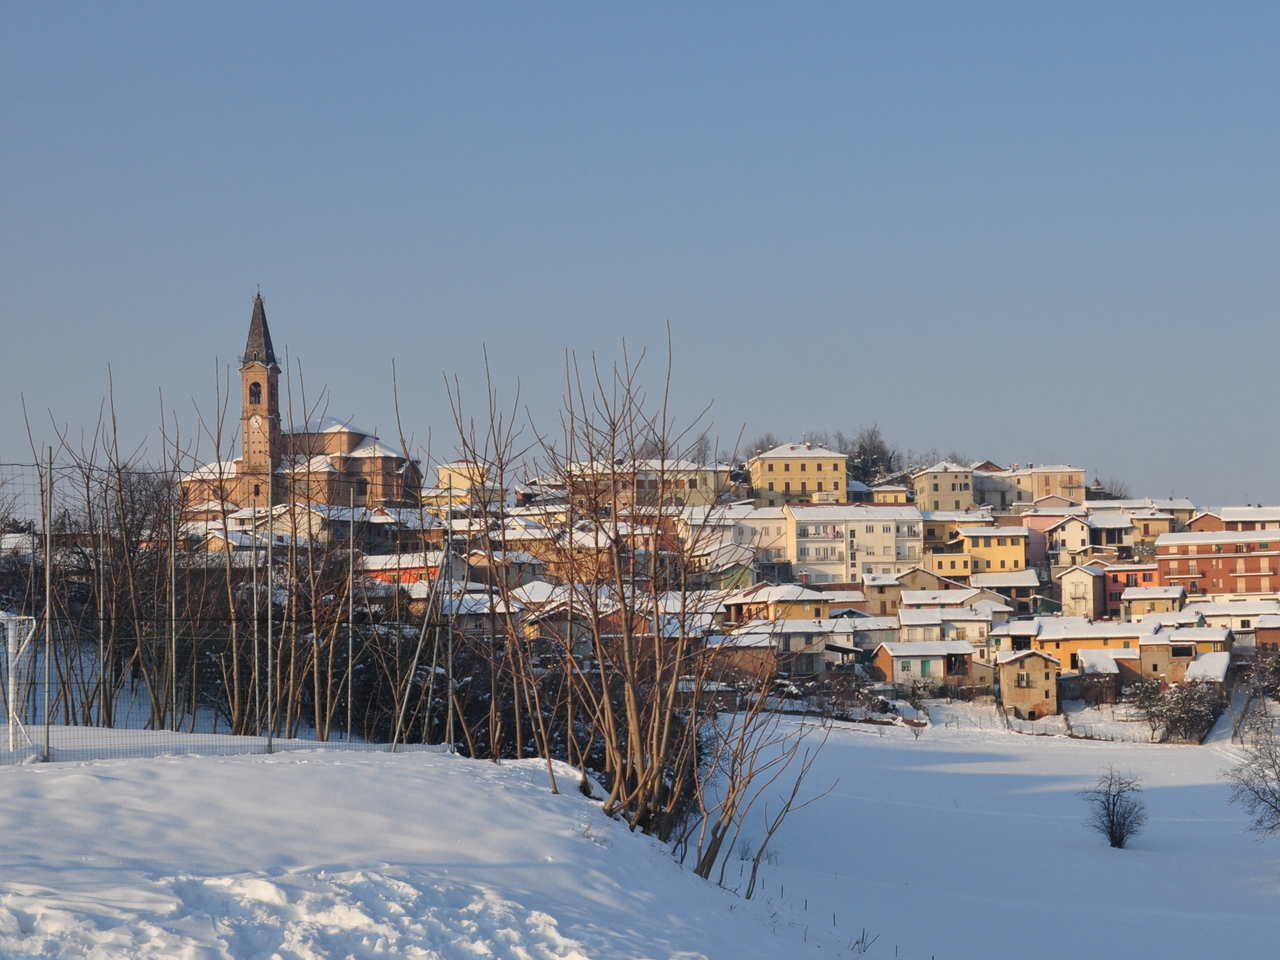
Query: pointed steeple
(258, 348)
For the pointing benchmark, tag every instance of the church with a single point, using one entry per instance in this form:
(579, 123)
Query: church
(325, 461)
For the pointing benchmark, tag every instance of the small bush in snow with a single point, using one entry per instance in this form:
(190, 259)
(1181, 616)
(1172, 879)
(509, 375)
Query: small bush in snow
(1116, 809)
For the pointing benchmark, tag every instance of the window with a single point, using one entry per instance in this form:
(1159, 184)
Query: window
(786, 487)
(771, 485)
(870, 528)
(1246, 624)
(786, 468)
(256, 490)
(906, 666)
(1000, 542)
(1184, 652)
(819, 466)
(771, 468)
(804, 486)
(1146, 578)
(804, 468)
(887, 529)
(819, 484)
(255, 392)
(935, 490)
(835, 466)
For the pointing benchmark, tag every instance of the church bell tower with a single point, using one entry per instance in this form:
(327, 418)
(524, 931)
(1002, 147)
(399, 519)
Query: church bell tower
(260, 407)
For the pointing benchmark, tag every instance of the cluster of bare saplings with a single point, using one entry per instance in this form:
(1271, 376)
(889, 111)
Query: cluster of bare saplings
(610, 671)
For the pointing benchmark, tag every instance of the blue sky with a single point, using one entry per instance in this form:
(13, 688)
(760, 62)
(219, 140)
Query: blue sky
(1028, 232)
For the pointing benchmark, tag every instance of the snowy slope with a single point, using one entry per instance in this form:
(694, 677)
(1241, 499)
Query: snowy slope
(312, 855)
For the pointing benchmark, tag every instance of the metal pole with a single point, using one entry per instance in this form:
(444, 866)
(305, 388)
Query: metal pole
(271, 590)
(257, 661)
(446, 558)
(48, 588)
(102, 620)
(173, 614)
(351, 607)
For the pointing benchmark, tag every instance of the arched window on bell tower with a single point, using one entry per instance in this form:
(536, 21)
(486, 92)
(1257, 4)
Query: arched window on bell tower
(255, 392)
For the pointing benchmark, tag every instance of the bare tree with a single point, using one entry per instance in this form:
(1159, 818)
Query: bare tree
(1113, 488)
(1116, 809)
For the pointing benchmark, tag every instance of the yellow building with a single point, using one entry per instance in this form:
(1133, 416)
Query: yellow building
(994, 548)
(944, 486)
(889, 493)
(798, 473)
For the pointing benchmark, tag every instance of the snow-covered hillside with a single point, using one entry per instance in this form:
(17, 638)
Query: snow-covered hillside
(312, 855)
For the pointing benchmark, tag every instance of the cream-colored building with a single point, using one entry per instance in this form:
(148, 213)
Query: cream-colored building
(842, 544)
(798, 473)
(1006, 489)
(944, 486)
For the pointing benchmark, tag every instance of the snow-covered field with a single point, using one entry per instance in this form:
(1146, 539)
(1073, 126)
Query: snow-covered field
(964, 843)
(969, 843)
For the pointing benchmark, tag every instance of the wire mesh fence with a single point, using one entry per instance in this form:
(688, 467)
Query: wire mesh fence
(132, 629)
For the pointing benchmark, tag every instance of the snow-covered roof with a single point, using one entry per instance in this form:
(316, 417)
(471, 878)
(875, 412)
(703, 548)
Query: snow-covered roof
(990, 607)
(1092, 571)
(1188, 617)
(800, 450)
(1012, 656)
(1211, 667)
(769, 593)
(1195, 635)
(326, 425)
(1153, 593)
(927, 648)
(402, 561)
(1014, 578)
(943, 466)
(945, 598)
(868, 624)
(1235, 608)
(956, 516)
(1217, 536)
(855, 512)
(920, 618)
(1093, 660)
(218, 470)
(373, 447)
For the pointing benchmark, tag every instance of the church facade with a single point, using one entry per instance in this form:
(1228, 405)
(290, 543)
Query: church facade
(325, 461)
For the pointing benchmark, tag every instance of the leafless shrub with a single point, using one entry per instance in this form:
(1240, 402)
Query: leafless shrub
(1115, 808)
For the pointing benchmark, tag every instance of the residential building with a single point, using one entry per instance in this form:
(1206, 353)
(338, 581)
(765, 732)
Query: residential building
(845, 543)
(944, 486)
(890, 493)
(1083, 592)
(1007, 489)
(798, 473)
(1139, 601)
(1221, 565)
(927, 663)
(1120, 577)
(1028, 683)
(1235, 519)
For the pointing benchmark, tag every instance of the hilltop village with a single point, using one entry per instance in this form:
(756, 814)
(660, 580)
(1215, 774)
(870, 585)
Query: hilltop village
(1026, 581)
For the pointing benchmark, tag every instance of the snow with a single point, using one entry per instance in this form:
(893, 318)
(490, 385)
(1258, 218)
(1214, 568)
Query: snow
(959, 840)
(325, 855)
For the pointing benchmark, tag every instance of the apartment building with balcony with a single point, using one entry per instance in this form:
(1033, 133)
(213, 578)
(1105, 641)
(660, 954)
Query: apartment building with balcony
(1221, 564)
(842, 544)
